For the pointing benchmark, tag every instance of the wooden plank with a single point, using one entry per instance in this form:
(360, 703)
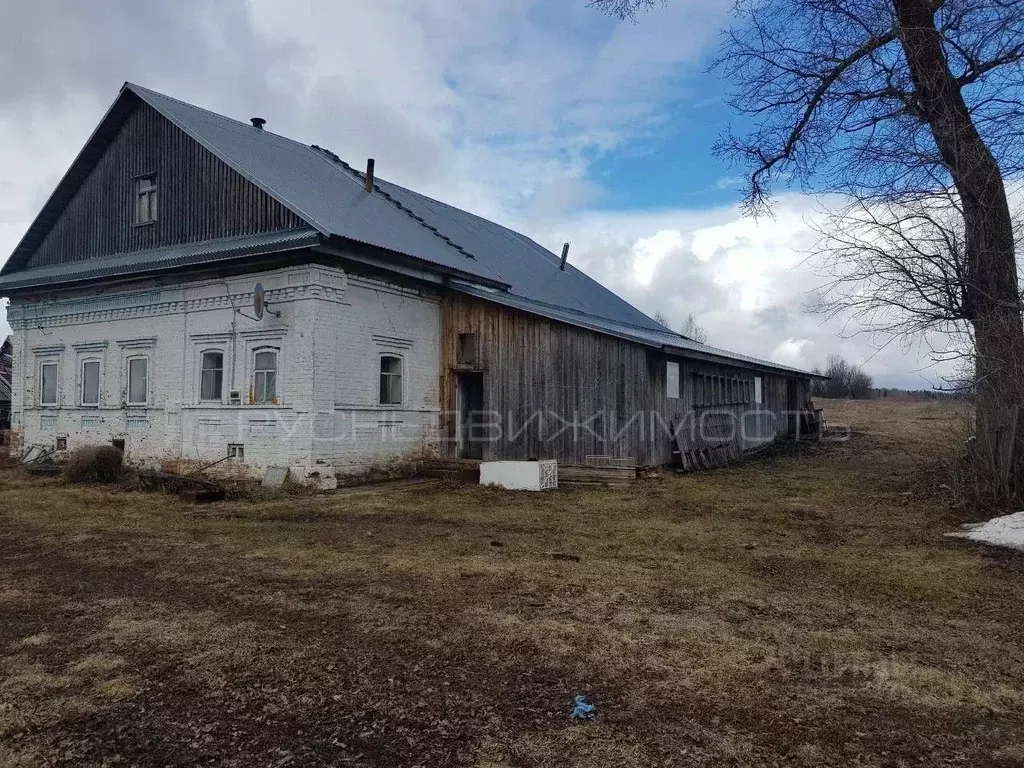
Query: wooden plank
(536, 366)
(199, 197)
(595, 473)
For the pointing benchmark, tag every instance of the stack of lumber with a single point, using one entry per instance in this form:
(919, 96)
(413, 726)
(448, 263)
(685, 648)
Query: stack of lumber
(463, 471)
(582, 475)
(706, 457)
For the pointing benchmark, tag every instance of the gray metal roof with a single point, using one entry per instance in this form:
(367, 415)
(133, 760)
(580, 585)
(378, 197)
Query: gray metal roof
(161, 259)
(313, 183)
(495, 262)
(329, 194)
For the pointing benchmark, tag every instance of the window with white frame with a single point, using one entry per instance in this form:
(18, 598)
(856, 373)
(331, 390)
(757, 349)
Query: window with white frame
(211, 383)
(390, 380)
(138, 380)
(264, 376)
(758, 389)
(672, 379)
(145, 199)
(90, 392)
(48, 373)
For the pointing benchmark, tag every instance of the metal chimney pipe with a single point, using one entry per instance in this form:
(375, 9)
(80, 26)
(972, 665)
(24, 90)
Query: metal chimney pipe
(565, 256)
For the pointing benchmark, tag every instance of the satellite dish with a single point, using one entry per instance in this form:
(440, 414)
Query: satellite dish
(259, 301)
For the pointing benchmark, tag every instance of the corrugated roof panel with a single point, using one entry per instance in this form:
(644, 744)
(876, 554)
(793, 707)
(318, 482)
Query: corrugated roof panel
(160, 259)
(531, 270)
(310, 182)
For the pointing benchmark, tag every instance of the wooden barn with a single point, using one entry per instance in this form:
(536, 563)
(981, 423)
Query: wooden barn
(198, 287)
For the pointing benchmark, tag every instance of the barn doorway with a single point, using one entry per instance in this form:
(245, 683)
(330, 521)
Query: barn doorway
(469, 409)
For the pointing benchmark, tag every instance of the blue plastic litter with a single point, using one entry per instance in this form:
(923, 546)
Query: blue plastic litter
(582, 710)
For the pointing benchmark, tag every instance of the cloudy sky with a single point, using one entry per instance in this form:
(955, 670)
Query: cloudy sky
(542, 114)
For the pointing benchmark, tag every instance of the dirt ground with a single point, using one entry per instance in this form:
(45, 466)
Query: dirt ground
(802, 608)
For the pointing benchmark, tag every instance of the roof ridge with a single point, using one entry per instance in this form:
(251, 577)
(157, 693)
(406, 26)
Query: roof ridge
(360, 175)
(135, 87)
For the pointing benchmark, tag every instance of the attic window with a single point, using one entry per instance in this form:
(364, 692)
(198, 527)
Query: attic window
(145, 199)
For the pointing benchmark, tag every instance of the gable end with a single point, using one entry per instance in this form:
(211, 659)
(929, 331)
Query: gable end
(199, 196)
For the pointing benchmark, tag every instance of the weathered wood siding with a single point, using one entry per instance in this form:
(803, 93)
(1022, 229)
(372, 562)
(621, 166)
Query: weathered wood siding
(553, 390)
(199, 197)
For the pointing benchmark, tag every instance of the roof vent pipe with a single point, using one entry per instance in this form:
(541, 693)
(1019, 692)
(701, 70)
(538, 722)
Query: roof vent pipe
(257, 122)
(565, 256)
(369, 174)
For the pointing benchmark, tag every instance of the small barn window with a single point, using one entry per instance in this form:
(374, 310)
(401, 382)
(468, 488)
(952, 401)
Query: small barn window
(390, 380)
(211, 385)
(671, 379)
(138, 380)
(91, 383)
(758, 389)
(145, 199)
(264, 378)
(467, 352)
(48, 384)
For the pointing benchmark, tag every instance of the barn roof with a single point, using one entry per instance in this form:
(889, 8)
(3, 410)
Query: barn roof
(482, 257)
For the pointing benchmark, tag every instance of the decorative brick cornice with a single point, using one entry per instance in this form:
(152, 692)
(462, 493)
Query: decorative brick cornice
(24, 316)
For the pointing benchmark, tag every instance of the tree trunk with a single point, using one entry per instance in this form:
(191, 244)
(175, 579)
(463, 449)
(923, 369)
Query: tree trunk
(992, 294)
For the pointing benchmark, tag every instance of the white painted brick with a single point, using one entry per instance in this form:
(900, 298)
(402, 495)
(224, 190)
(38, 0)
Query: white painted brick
(331, 333)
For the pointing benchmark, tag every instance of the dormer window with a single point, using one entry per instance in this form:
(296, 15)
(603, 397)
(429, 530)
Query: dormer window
(145, 199)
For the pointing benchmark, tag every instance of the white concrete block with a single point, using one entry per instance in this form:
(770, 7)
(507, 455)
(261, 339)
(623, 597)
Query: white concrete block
(520, 475)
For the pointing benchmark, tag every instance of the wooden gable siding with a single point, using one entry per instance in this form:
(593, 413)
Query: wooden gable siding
(199, 197)
(541, 377)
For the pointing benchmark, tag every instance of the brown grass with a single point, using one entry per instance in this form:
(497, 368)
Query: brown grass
(94, 464)
(799, 609)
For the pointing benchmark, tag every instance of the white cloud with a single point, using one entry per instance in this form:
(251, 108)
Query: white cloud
(791, 352)
(748, 282)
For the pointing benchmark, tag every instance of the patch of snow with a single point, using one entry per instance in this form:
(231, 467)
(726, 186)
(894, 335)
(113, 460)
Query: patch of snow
(1004, 531)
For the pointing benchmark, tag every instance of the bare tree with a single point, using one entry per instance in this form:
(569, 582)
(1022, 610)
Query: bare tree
(890, 102)
(845, 380)
(693, 330)
(900, 266)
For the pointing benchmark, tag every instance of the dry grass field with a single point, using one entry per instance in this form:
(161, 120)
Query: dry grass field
(801, 608)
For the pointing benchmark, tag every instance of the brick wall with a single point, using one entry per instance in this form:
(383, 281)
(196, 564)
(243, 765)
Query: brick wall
(332, 330)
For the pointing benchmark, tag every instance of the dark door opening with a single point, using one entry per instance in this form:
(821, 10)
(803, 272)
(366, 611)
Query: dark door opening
(470, 405)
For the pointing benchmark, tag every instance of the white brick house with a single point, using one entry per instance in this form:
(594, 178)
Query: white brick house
(319, 402)
(398, 327)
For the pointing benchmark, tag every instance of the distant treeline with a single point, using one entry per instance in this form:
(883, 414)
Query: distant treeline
(849, 381)
(922, 394)
(845, 380)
